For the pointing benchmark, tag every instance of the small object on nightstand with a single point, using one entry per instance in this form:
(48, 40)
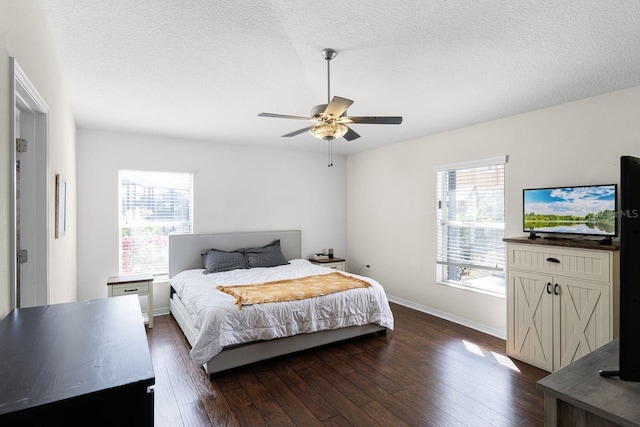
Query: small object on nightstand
(139, 284)
(334, 263)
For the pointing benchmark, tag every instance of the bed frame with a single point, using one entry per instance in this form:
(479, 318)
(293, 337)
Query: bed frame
(185, 254)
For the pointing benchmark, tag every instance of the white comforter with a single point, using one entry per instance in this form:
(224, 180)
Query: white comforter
(219, 323)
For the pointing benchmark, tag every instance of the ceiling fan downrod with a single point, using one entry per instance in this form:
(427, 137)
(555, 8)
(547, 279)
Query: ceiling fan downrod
(329, 54)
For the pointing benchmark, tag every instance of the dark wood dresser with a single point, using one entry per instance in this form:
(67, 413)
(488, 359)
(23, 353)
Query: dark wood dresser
(577, 395)
(85, 362)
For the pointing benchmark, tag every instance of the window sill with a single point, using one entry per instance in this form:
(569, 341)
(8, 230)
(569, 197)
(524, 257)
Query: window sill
(472, 289)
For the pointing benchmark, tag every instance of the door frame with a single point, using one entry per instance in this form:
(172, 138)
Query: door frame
(24, 94)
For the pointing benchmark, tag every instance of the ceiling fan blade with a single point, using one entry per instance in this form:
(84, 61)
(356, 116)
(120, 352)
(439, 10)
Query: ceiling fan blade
(283, 116)
(337, 106)
(373, 120)
(297, 132)
(351, 135)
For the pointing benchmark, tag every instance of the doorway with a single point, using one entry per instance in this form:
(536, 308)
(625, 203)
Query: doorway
(30, 193)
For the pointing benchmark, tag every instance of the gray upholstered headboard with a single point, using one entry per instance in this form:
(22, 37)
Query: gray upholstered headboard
(185, 249)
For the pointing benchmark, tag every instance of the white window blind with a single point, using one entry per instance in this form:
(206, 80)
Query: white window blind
(152, 205)
(470, 224)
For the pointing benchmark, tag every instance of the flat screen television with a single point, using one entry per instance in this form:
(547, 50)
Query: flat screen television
(629, 356)
(587, 210)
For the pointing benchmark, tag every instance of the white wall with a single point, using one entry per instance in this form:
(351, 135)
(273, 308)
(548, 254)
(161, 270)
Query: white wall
(391, 191)
(236, 188)
(25, 35)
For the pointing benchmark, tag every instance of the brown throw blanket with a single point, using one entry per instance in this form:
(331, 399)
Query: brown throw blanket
(292, 289)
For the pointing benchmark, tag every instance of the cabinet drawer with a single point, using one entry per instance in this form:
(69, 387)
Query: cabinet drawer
(576, 263)
(134, 288)
(335, 266)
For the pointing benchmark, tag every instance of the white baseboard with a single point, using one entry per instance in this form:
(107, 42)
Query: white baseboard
(502, 334)
(160, 311)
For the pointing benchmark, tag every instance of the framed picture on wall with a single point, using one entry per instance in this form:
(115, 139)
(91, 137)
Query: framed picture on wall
(61, 206)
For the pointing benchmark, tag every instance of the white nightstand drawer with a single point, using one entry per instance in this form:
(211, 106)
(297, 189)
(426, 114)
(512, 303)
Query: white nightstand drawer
(333, 263)
(136, 288)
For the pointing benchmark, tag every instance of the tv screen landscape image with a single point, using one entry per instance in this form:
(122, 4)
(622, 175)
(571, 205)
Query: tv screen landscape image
(586, 210)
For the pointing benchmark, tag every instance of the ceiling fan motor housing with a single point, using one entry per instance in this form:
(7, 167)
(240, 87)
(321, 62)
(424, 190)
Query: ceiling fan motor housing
(318, 110)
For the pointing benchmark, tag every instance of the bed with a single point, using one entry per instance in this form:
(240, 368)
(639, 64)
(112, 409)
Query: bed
(224, 334)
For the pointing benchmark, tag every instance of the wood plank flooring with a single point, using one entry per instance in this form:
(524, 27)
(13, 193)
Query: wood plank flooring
(426, 372)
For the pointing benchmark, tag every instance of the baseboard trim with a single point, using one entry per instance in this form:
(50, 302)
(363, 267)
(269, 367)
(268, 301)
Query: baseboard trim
(160, 311)
(450, 317)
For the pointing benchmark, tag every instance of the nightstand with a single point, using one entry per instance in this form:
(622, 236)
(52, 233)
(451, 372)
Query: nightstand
(334, 263)
(138, 284)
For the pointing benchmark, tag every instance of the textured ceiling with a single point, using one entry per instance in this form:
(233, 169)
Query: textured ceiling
(203, 69)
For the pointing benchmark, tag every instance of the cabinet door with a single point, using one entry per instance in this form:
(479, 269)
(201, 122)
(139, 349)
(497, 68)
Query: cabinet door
(583, 319)
(530, 326)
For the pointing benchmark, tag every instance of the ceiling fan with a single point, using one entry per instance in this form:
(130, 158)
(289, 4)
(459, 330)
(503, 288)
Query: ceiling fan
(330, 119)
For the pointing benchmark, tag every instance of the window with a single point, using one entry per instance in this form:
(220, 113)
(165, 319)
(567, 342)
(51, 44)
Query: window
(152, 205)
(470, 225)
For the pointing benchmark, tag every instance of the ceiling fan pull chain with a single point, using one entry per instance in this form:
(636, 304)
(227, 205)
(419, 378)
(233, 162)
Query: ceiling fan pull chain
(330, 153)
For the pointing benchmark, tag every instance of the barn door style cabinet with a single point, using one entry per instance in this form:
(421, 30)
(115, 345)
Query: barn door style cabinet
(562, 299)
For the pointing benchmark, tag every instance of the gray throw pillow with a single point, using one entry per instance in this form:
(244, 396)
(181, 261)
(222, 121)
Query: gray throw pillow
(266, 256)
(216, 261)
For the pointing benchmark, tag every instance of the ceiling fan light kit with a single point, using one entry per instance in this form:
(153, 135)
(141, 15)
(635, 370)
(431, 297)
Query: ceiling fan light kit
(328, 131)
(330, 118)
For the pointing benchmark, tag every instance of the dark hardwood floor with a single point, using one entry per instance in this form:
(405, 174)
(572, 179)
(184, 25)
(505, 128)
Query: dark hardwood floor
(427, 371)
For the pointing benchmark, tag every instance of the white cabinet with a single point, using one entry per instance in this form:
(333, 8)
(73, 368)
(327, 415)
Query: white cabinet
(560, 302)
(139, 284)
